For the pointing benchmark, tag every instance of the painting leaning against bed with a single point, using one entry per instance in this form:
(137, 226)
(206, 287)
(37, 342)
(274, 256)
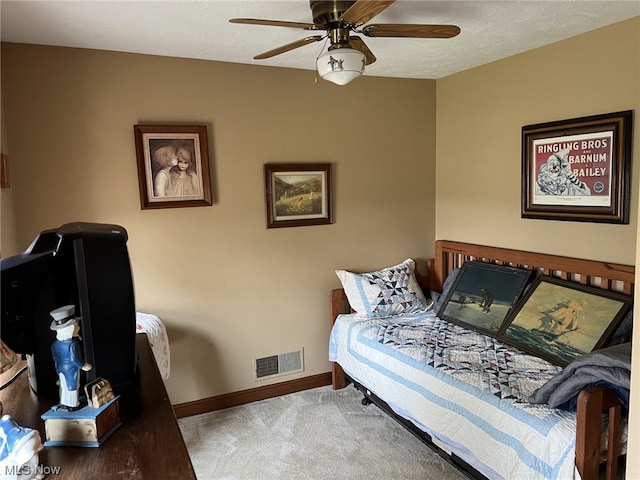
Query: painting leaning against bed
(560, 320)
(483, 295)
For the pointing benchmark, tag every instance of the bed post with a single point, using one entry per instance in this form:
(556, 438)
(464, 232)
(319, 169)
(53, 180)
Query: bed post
(338, 304)
(437, 273)
(591, 403)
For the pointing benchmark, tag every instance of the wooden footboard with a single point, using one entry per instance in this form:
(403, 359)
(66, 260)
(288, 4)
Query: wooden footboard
(592, 402)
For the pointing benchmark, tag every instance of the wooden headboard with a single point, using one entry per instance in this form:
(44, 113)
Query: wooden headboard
(592, 401)
(450, 255)
(609, 276)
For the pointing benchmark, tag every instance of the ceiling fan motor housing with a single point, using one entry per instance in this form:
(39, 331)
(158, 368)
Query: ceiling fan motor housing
(327, 12)
(339, 37)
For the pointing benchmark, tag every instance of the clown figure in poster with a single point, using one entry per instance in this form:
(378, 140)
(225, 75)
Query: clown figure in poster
(67, 356)
(556, 177)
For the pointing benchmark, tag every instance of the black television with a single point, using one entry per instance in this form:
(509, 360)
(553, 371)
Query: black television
(82, 264)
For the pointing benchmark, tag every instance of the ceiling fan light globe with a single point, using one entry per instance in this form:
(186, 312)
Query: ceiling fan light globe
(341, 65)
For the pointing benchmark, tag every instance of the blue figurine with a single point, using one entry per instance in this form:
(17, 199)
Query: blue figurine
(19, 449)
(67, 356)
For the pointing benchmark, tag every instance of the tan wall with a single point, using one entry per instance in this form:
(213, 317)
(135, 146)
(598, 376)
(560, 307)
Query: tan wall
(227, 287)
(480, 114)
(8, 235)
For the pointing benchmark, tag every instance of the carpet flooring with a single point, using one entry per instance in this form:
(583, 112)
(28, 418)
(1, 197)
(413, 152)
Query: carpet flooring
(316, 434)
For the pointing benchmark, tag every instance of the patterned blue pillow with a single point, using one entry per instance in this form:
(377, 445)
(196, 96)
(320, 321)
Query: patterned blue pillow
(446, 286)
(384, 293)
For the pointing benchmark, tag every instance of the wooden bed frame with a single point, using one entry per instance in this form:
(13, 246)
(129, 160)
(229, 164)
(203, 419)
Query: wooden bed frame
(592, 402)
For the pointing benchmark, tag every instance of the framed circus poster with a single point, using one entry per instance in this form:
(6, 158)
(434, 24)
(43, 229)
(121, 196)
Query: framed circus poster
(578, 169)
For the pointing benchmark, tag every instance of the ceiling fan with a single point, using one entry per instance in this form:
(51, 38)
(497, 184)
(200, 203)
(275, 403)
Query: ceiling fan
(347, 54)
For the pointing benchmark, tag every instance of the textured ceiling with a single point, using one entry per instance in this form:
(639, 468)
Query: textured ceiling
(491, 30)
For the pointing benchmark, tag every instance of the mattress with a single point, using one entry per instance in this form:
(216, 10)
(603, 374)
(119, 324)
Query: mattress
(157, 334)
(466, 390)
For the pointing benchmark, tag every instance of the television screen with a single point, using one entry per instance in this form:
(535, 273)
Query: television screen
(26, 294)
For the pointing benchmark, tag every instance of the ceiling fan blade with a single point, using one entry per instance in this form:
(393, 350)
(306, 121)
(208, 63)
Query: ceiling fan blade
(358, 44)
(274, 23)
(364, 10)
(410, 31)
(289, 46)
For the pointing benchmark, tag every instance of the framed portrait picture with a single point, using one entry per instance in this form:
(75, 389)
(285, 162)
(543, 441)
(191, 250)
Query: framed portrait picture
(578, 169)
(173, 166)
(482, 296)
(298, 194)
(559, 320)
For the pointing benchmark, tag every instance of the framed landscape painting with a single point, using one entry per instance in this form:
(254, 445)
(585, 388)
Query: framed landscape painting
(483, 295)
(559, 320)
(298, 194)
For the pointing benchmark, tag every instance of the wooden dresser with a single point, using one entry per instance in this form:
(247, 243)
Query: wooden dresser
(148, 445)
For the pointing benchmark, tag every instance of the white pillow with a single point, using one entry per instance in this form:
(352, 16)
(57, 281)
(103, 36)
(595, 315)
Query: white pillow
(386, 292)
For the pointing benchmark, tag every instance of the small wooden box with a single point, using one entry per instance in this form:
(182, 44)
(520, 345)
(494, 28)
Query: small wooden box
(87, 427)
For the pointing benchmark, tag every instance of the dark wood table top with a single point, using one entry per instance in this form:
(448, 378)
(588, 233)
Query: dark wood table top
(148, 444)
